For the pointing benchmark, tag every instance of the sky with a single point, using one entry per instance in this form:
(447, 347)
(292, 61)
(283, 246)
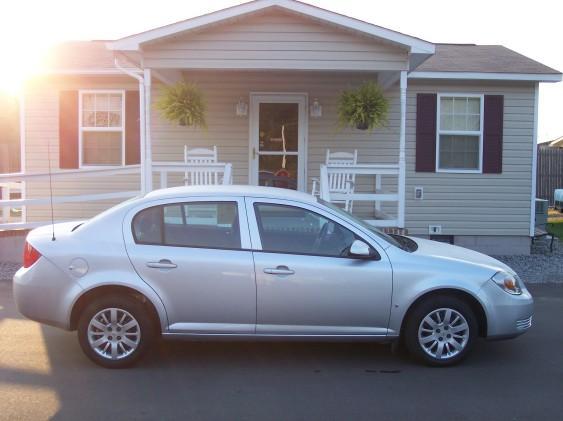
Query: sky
(29, 27)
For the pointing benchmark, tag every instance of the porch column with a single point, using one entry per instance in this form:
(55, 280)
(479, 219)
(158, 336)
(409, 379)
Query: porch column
(147, 163)
(143, 129)
(402, 143)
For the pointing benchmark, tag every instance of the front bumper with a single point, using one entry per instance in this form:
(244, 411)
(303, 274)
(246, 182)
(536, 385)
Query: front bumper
(44, 293)
(508, 315)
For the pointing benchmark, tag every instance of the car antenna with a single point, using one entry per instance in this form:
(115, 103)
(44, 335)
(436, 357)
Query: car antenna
(51, 189)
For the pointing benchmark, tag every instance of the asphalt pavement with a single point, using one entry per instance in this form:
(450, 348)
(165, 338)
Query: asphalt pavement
(44, 375)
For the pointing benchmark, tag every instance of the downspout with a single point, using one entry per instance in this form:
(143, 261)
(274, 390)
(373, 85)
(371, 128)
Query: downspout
(402, 147)
(143, 124)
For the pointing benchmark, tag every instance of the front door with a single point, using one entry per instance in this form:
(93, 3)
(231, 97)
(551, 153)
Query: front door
(277, 140)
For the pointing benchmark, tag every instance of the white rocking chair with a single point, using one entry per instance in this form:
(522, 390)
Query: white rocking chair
(339, 182)
(200, 156)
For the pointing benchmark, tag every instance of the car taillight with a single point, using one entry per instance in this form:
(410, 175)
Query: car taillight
(30, 255)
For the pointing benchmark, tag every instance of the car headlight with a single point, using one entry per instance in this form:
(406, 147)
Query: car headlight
(508, 282)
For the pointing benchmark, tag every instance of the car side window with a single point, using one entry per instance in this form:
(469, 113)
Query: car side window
(193, 224)
(294, 230)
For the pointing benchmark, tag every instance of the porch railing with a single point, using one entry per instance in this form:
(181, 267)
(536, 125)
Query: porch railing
(7, 204)
(16, 181)
(206, 173)
(377, 195)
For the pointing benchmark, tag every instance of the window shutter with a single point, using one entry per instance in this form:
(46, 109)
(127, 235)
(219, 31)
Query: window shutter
(68, 129)
(426, 132)
(132, 128)
(492, 134)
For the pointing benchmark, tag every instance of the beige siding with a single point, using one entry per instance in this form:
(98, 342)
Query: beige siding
(476, 204)
(464, 204)
(231, 133)
(42, 131)
(275, 40)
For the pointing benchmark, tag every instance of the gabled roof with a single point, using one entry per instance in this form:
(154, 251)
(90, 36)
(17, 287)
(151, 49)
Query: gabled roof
(133, 42)
(490, 61)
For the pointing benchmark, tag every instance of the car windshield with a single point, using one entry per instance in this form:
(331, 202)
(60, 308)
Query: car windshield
(362, 223)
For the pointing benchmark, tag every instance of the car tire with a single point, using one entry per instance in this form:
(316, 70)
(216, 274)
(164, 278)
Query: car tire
(440, 331)
(115, 332)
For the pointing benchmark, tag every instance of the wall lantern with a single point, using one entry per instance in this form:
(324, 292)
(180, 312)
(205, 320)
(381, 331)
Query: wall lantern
(316, 109)
(242, 108)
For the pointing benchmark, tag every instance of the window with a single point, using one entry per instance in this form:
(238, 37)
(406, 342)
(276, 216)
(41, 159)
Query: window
(102, 136)
(288, 229)
(195, 224)
(460, 133)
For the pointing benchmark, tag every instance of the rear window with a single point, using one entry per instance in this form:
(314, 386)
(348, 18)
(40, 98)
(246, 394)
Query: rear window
(194, 224)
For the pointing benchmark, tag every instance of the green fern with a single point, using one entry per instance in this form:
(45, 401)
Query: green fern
(183, 103)
(364, 108)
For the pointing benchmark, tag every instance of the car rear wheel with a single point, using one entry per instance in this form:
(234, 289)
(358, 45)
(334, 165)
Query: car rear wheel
(440, 331)
(115, 332)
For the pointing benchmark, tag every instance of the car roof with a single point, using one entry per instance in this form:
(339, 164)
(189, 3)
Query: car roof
(232, 190)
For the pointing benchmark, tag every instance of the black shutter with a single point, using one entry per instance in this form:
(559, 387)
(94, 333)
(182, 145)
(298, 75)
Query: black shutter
(492, 134)
(426, 132)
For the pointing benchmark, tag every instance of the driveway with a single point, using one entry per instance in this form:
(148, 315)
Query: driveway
(43, 374)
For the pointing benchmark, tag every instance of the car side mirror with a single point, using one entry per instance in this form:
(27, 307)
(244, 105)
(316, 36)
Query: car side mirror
(360, 249)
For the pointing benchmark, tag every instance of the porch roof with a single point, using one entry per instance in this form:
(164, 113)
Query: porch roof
(134, 42)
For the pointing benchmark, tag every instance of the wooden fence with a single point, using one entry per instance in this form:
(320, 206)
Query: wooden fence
(549, 172)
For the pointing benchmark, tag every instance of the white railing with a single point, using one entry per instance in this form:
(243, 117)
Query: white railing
(18, 178)
(8, 189)
(206, 174)
(222, 172)
(377, 196)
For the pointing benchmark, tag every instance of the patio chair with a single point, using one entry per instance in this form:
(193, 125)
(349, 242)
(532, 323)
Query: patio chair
(339, 182)
(200, 156)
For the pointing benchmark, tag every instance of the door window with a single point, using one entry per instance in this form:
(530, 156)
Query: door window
(194, 224)
(294, 230)
(278, 141)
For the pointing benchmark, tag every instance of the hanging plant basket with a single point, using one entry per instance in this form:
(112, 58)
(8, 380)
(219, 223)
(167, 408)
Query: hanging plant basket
(364, 108)
(184, 104)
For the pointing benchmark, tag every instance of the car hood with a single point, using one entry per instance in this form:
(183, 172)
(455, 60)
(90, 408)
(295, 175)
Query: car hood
(450, 252)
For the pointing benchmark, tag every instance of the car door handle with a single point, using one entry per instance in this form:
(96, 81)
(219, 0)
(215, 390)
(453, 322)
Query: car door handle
(162, 264)
(280, 270)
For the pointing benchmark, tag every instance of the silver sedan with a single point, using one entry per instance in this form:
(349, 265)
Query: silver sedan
(252, 262)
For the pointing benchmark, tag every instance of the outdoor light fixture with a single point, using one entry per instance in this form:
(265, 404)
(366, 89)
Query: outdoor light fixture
(316, 109)
(242, 108)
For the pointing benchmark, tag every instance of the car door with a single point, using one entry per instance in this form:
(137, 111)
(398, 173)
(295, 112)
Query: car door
(306, 281)
(195, 254)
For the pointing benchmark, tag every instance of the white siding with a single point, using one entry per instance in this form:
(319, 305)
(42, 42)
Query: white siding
(476, 204)
(275, 40)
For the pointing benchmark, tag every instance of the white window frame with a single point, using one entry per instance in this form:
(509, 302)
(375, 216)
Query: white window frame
(82, 129)
(460, 132)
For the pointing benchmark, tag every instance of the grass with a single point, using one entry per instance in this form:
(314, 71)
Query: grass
(556, 228)
(555, 223)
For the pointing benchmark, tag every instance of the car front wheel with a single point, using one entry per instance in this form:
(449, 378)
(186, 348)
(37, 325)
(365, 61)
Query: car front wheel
(441, 330)
(115, 332)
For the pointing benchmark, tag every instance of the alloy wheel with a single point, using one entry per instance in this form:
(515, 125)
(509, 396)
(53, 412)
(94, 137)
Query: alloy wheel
(114, 333)
(443, 333)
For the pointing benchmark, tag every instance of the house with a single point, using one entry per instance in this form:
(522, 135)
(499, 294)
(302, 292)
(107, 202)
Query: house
(458, 150)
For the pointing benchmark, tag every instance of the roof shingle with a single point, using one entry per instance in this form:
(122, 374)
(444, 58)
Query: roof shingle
(481, 59)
